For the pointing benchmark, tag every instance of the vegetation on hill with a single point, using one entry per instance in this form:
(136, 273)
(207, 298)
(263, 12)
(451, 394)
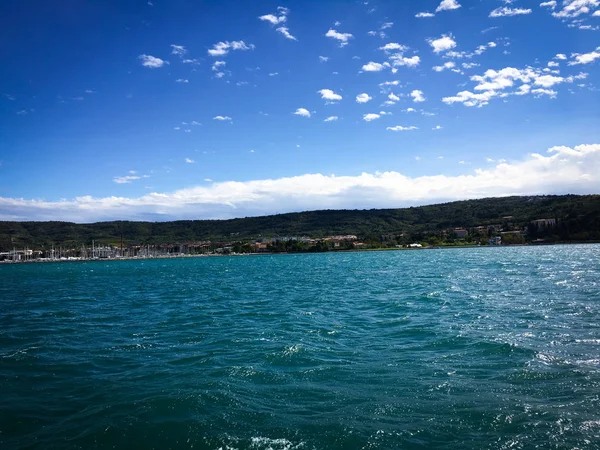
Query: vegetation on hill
(578, 219)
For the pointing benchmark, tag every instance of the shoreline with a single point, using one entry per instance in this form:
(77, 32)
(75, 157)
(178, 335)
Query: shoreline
(213, 255)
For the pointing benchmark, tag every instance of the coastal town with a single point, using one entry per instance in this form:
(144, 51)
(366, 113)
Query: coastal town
(505, 233)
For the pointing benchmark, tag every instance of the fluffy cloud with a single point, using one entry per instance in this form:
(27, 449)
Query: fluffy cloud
(585, 58)
(363, 98)
(447, 5)
(417, 96)
(576, 8)
(179, 50)
(399, 60)
(447, 65)
(189, 161)
(222, 118)
(286, 32)
(442, 44)
(550, 4)
(331, 119)
(370, 117)
(276, 19)
(506, 11)
(328, 94)
(496, 84)
(151, 61)
(423, 15)
(323, 58)
(561, 170)
(343, 38)
(223, 48)
(302, 112)
(393, 46)
(374, 67)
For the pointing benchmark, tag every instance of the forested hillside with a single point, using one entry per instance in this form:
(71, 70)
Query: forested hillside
(578, 219)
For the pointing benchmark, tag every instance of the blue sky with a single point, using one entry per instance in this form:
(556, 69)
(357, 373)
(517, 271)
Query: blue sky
(163, 109)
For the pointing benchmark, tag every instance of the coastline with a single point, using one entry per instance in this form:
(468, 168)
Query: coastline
(217, 255)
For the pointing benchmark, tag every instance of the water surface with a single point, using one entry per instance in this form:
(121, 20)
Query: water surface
(450, 349)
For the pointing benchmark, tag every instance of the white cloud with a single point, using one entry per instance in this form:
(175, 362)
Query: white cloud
(469, 65)
(575, 8)
(127, 179)
(561, 170)
(302, 112)
(437, 127)
(323, 58)
(222, 118)
(331, 119)
(217, 65)
(374, 67)
(423, 15)
(328, 94)
(370, 117)
(401, 128)
(273, 74)
(343, 38)
(447, 65)
(444, 43)
(399, 60)
(553, 64)
(408, 110)
(181, 80)
(191, 61)
(497, 84)
(189, 161)
(506, 11)
(179, 50)
(363, 98)
(417, 96)
(273, 19)
(585, 58)
(286, 32)
(387, 25)
(470, 99)
(393, 97)
(550, 4)
(394, 46)
(223, 48)
(447, 5)
(151, 61)
(478, 51)
(560, 56)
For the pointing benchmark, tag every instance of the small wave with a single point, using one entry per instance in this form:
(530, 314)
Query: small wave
(292, 350)
(264, 443)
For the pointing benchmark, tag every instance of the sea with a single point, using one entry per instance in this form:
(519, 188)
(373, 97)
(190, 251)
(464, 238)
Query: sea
(475, 348)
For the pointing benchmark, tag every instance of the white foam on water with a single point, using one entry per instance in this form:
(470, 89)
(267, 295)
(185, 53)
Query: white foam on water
(264, 443)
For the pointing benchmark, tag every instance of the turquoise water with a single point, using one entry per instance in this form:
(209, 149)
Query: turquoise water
(450, 349)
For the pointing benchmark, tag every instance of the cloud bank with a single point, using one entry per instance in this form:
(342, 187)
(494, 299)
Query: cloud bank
(560, 170)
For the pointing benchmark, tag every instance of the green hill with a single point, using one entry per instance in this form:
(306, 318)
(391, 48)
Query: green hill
(578, 220)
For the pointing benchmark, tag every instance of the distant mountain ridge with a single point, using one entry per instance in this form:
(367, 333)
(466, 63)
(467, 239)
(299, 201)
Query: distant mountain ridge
(578, 218)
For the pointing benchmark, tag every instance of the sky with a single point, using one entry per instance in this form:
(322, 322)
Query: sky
(175, 109)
